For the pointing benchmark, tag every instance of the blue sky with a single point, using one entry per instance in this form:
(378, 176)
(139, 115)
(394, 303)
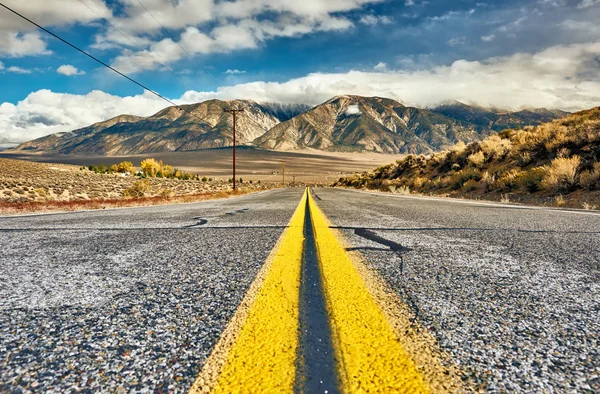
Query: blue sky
(502, 53)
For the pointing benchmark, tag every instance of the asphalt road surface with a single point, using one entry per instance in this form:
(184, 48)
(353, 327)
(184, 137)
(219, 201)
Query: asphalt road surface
(136, 299)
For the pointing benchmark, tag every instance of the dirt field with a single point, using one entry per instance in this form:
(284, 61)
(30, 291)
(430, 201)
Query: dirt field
(252, 164)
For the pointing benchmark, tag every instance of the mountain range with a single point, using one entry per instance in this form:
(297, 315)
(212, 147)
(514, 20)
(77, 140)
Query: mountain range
(344, 123)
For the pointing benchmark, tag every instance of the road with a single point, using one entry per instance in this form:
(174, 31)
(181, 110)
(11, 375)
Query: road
(137, 299)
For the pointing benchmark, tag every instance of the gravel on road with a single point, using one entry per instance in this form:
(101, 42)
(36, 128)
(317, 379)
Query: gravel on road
(128, 300)
(512, 293)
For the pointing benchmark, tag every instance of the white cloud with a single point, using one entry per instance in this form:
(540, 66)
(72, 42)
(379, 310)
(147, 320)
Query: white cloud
(18, 70)
(14, 44)
(457, 41)
(381, 66)
(353, 110)
(245, 34)
(45, 112)
(452, 14)
(409, 3)
(588, 3)
(69, 70)
(234, 72)
(220, 27)
(1, 66)
(488, 38)
(375, 19)
(18, 38)
(564, 77)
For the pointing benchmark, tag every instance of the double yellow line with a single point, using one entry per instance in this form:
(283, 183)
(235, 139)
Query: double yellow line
(373, 343)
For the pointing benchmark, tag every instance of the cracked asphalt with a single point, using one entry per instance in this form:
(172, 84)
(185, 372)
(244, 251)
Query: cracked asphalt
(128, 300)
(134, 300)
(511, 293)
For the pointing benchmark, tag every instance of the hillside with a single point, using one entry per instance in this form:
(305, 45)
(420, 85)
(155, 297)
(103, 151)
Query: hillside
(204, 125)
(368, 123)
(497, 120)
(555, 162)
(344, 123)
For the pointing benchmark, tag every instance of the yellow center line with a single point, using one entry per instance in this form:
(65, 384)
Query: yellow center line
(370, 355)
(262, 355)
(376, 348)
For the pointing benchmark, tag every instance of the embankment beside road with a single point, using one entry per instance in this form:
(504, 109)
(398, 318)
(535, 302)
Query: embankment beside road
(556, 163)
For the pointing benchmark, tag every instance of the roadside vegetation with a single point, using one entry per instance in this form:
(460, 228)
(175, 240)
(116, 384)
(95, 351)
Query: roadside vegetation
(28, 186)
(556, 163)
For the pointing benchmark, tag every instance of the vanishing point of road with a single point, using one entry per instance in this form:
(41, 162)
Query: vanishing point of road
(293, 290)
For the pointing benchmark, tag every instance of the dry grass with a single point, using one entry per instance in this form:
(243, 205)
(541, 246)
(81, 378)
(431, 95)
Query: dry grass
(32, 187)
(63, 206)
(535, 164)
(561, 175)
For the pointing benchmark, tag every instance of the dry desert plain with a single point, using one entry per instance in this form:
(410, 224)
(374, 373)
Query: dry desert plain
(252, 164)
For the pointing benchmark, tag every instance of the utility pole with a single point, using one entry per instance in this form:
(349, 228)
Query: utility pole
(234, 112)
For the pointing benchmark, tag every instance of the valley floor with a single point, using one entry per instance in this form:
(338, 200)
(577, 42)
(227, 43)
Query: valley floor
(306, 166)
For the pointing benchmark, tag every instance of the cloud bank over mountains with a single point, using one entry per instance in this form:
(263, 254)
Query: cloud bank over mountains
(557, 66)
(561, 77)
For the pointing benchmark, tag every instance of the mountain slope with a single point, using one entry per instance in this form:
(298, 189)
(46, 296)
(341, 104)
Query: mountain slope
(204, 125)
(497, 120)
(344, 123)
(368, 123)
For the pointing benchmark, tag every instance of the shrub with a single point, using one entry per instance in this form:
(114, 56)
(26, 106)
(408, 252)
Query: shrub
(495, 147)
(204, 179)
(167, 170)
(459, 147)
(126, 166)
(418, 182)
(41, 192)
(508, 180)
(138, 189)
(114, 168)
(488, 180)
(166, 193)
(470, 185)
(150, 167)
(461, 177)
(524, 159)
(476, 159)
(562, 174)
(531, 180)
(591, 179)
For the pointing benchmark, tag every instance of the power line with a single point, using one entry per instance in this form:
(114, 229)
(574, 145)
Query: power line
(101, 62)
(179, 43)
(135, 45)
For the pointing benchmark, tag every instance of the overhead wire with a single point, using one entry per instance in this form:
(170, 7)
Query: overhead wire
(117, 71)
(179, 43)
(136, 45)
(101, 62)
